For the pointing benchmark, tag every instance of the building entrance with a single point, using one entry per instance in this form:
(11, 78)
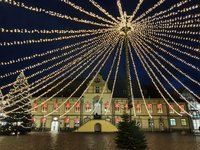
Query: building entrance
(55, 126)
(97, 127)
(97, 107)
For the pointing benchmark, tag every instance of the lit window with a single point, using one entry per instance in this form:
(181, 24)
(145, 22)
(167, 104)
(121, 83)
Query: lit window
(151, 122)
(43, 120)
(149, 107)
(77, 107)
(117, 120)
(182, 108)
(173, 122)
(171, 109)
(67, 107)
(33, 120)
(76, 122)
(66, 122)
(55, 106)
(183, 122)
(126, 108)
(97, 89)
(33, 106)
(44, 107)
(117, 107)
(138, 108)
(107, 107)
(87, 107)
(159, 108)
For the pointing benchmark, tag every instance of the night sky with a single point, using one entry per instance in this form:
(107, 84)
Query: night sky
(15, 17)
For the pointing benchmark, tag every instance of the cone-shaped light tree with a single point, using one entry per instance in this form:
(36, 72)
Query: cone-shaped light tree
(129, 135)
(19, 105)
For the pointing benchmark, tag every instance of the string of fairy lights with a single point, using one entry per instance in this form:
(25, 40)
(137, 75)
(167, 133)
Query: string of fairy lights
(153, 81)
(108, 77)
(171, 75)
(114, 82)
(143, 43)
(143, 60)
(152, 35)
(63, 74)
(33, 41)
(163, 77)
(57, 85)
(106, 56)
(88, 61)
(59, 63)
(138, 81)
(35, 65)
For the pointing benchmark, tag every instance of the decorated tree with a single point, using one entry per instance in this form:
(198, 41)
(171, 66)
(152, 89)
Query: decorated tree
(19, 105)
(5, 122)
(129, 135)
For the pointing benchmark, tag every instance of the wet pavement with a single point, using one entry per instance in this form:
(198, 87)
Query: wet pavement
(95, 141)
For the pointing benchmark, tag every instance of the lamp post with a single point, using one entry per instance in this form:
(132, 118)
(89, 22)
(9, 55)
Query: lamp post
(125, 29)
(81, 110)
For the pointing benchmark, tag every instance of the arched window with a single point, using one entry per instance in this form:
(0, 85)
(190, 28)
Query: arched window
(150, 108)
(33, 106)
(87, 107)
(117, 107)
(67, 107)
(138, 108)
(77, 107)
(182, 108)
(55, 106)
(107, 107)
(44, 107)
(159, 108)
(171, 109)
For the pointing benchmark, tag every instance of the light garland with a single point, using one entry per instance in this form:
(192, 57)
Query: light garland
(136, 50)
(36, 31)
(87, 66)
(172, 55)
(174, 67)
(184, 10)
(179, 20)
(138, 80)
(49, 52)
(33, 41)
(167, 72)
(86, 12)
(149, 10)
(115, 79)
(108, 55)
(135, 11)
(33, 66)
(108, 77)
(62, 75)
(146, 50)
(174, 43)
(52, 13)
(153, 64)
(103, 10)
(63, 61)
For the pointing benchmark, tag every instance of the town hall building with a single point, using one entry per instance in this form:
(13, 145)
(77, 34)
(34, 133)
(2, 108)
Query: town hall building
(107, 113)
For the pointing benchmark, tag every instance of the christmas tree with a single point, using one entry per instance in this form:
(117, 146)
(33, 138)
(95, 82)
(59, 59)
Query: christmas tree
(18, 107)
(129, 135)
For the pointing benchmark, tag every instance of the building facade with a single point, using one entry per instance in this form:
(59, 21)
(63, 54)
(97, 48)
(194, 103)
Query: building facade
(94, 105)
(195, 119)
